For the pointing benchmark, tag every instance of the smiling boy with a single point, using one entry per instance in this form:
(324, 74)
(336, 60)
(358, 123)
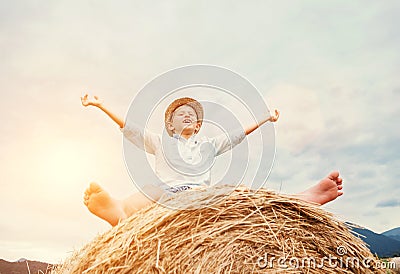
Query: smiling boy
(186, 162)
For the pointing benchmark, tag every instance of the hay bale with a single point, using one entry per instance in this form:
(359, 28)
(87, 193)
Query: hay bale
(238, 234)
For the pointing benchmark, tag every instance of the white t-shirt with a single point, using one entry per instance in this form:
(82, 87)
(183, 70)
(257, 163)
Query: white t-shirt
(179, 161)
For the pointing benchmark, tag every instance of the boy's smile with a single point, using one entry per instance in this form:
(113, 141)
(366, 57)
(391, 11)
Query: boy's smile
(187, 121)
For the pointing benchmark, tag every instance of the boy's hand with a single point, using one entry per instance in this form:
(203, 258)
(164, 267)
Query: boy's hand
(275, 118)
(90, 102)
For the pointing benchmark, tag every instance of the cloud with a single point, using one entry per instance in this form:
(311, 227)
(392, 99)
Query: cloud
(389, 203)
(301, 120)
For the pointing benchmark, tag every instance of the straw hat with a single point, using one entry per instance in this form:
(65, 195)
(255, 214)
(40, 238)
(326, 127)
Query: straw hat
(180, 102)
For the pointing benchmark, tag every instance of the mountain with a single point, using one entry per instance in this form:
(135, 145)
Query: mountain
(393, 233)
(379, 244)
(21, 266)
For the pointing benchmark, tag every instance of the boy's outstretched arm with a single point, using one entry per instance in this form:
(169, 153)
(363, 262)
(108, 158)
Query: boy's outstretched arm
(97, 103)
(272, 118)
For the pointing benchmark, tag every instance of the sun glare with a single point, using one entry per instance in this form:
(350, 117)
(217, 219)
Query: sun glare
(62, 163)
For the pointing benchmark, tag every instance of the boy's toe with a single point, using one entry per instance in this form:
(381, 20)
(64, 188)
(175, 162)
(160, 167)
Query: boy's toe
(333, 175)
(94, 187)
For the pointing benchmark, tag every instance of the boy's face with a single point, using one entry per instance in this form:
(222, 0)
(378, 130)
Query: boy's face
(184, 120)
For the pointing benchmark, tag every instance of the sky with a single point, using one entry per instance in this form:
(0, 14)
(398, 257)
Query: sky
(330, 67)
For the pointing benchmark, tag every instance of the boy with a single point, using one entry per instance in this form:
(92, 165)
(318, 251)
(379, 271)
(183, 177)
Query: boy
(183, 120)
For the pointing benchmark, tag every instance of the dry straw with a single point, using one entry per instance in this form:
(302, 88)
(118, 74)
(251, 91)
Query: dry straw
(237, 234)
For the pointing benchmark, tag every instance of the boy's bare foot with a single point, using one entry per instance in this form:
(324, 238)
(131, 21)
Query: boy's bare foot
(101, 204)
(328, 189)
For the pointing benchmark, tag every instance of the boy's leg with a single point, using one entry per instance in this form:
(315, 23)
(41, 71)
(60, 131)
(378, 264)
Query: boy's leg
(100, 203)
(328, 189)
